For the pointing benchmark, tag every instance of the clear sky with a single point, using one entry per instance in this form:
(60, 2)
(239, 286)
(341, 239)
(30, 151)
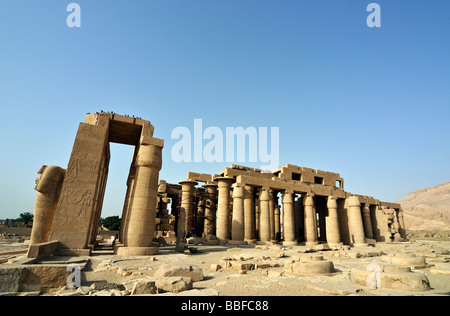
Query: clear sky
(372, 104)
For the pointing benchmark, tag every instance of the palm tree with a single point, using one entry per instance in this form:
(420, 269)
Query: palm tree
(25, 218)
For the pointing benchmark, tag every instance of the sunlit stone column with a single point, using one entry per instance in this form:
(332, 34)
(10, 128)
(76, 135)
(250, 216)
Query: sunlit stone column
(310, 221)
(187, 202)
(237, 224)
(249, 214)
(288, 219)
(142, 209)
(332, 223)
(223, 209)
(264, 216)
(355, 221)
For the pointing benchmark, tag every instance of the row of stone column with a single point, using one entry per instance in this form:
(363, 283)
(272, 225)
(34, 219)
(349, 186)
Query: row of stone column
(247, 217)
(208, 204)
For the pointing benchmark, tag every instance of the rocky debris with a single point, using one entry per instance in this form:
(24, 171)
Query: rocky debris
(246, 262)
(100, 286)
(143, 286)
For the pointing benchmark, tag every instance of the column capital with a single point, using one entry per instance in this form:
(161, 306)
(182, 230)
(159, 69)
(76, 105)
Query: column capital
(190, 183)
(288, 197)
(264, 195)
(238, 191)
(332, 202)
(224, 181)
(210, 184)
(308, 201)
(353, 201)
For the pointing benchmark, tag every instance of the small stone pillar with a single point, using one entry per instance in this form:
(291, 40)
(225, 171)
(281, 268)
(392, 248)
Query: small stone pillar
(237, 224)
(264, 216)
(210, 209)
(187, 201)
(332, 223)
(288, 219)
(48, 186)
(355, 221)
(223, 209)
(140, 226)
(310, 221)
(367, 222)
(249, 215)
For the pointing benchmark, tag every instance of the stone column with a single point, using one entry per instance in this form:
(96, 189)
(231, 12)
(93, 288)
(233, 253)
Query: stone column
(237, 224)
(367, 222)
(249, 215)
(264, 216)
(140, 227)
(288, 219)
(223, 209)
(310, 221)
(210, 211)
(332, 223)
(187, 201)
(181, 228)
(355, 221)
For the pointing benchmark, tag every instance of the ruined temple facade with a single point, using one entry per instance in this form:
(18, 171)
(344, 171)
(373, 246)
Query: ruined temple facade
(69, 201)
(291, 205)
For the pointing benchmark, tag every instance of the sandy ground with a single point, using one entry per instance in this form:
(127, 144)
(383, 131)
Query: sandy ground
(272, 279)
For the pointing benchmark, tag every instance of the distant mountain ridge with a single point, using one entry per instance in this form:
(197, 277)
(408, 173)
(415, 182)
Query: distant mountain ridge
(428, 208)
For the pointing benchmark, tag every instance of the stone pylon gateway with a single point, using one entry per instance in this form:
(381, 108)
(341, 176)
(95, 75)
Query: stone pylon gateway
(236, 206)
(69, 202)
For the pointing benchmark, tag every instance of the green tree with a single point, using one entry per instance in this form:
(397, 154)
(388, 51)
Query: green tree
(111, 222)
(25, 218)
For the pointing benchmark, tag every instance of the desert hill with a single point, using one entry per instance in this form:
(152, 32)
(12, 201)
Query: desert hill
(428, 208)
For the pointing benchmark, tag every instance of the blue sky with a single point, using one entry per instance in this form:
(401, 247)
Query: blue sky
(372, 104)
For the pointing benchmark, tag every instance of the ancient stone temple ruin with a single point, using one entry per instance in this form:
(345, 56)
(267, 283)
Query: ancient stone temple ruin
(290, 205)
(69, 202)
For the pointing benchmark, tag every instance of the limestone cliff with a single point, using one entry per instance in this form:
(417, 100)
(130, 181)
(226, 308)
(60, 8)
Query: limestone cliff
(428, 208)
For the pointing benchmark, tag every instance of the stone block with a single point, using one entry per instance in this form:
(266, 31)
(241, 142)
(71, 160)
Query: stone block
(242, 265)
(391, 277)
(43, 277)
(143, 287)
(10, 279)
(214, 267)
(42, 250)
(184, 270)
(173, 284)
